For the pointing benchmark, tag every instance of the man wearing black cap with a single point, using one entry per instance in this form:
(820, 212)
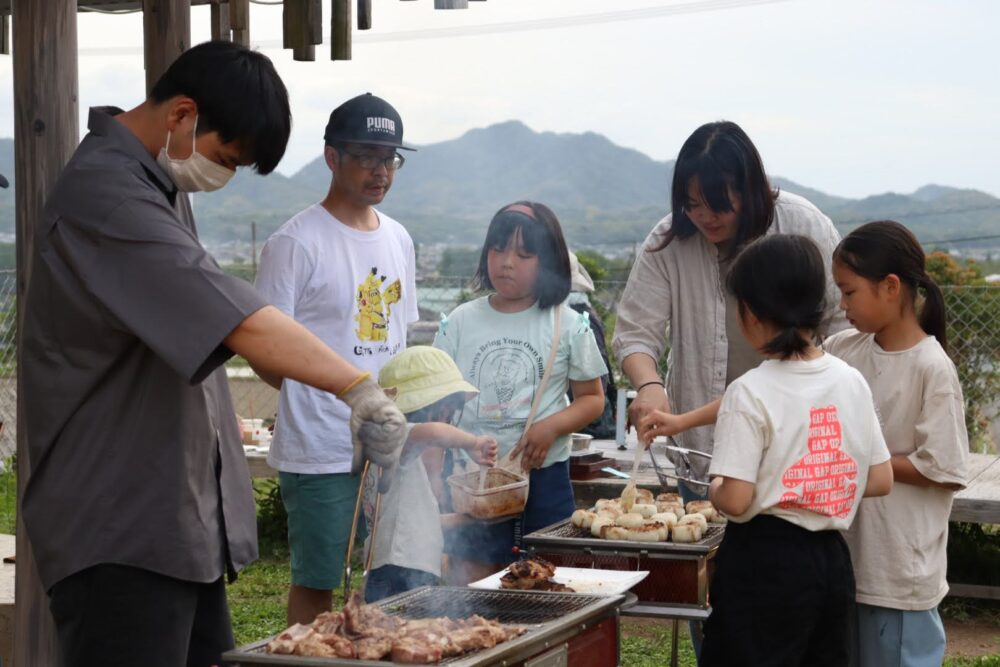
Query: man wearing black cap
(347, 272)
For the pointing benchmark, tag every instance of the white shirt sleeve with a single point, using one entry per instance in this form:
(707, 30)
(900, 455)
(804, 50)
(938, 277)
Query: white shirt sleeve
(740, 437)
(283, 272)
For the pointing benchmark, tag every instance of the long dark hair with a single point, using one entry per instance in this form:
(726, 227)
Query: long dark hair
(543, 237)
(722, 158)
(781, 279)
(877, 249)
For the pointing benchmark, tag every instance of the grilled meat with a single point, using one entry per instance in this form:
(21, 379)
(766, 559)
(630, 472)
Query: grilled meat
(415, 652)
(532, 575)
(366, 632)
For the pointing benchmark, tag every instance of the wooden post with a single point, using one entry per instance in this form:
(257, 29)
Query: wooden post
(340, 29)
(239, 18)
(302, 27)
(166, 29)
(46, 132)
(5, 34)
(220, 21)
(451, 4)
(364, 14)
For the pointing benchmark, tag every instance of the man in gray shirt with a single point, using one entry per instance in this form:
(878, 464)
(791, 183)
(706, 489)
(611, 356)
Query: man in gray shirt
(139, 499)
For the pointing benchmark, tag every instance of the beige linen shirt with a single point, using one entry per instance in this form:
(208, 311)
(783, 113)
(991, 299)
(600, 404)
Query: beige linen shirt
(679, 289)
(899, 542)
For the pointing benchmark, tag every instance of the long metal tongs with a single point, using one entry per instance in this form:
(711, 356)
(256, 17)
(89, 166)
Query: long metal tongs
(348, 568)
(684, 470)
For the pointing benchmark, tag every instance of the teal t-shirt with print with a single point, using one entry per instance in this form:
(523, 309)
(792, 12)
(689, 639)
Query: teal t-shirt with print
(504, 355)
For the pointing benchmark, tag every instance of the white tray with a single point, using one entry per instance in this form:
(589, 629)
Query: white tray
(581, 580)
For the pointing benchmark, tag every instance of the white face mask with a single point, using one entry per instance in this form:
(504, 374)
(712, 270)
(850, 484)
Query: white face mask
(195, 173)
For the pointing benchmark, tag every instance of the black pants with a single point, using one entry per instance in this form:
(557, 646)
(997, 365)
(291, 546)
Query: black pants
(781, 595)
(119, 616)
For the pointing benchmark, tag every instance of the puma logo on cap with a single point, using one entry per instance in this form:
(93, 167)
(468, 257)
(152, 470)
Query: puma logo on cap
(376, 124)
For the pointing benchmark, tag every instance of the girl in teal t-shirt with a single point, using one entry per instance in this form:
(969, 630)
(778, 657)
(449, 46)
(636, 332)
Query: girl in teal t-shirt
(502, 343)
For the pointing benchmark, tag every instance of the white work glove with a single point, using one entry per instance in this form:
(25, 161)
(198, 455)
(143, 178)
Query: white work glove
(378, 429)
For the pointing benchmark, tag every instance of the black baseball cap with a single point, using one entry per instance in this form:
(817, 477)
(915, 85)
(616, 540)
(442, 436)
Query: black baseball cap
(366, 119)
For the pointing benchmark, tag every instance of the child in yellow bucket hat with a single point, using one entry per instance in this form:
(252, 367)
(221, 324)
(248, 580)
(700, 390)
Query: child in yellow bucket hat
(429, 389)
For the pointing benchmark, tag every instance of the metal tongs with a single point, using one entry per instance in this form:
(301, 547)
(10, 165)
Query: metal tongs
(354, 531)
(682, 467)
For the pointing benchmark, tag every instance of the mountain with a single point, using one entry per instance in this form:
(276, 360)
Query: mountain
(602, 193)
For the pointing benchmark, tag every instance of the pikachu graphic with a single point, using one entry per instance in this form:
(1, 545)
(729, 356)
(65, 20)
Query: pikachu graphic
(374, 307)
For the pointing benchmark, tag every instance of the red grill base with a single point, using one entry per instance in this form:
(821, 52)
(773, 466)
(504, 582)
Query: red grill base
(669, 581)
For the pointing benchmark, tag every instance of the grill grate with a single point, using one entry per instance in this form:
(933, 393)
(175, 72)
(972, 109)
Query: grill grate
(511, 607)
(544, 613)
(565, 534)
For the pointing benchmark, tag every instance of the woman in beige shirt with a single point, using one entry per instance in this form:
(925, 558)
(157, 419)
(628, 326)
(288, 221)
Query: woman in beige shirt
(721, 199)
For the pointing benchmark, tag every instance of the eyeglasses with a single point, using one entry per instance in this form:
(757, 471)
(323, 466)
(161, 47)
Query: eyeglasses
(369, 161)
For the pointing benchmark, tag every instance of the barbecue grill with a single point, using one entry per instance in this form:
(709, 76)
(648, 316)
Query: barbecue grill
(563, 629)
(678, 573)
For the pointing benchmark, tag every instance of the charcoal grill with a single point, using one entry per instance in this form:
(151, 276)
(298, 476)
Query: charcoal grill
(677, 585)
(563, 629)
(678, 573)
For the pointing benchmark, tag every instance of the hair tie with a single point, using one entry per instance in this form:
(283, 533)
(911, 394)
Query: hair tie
(521, 208)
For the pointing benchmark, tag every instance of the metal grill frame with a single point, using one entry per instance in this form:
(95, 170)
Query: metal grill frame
(548, 543)
(551, 537)
(588, 611)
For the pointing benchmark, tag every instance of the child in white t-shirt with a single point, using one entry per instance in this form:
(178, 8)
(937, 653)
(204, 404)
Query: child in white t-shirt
(797, 445)
(429, 389)
(898, 543)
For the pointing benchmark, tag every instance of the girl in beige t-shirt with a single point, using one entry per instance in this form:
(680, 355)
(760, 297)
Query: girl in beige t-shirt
(797, 445)
(898, 542)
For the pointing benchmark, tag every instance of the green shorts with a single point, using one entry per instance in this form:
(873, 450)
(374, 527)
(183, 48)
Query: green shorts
(320, 509)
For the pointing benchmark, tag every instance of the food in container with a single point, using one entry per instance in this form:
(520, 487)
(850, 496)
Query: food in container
(504, 494)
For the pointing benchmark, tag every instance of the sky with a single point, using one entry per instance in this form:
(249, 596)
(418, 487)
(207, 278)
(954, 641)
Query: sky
(851, 97)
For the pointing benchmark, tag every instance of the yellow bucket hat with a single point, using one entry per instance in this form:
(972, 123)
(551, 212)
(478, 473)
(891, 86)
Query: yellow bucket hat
(421, 376)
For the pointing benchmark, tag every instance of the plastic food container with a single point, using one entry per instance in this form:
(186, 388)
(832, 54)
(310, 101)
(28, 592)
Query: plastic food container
(581, 441)
(504, 494)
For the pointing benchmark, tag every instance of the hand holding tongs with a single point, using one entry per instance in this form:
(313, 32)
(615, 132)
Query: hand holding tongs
(683, 466)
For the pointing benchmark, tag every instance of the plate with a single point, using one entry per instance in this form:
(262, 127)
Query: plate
(581, 580)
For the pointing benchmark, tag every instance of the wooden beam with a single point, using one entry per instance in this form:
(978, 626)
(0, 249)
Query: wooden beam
(46, 132)
(239, 18)
(364, 14)
(451, 4)
(166, 27)
(340, 29)
(5, 34)
(221, 29)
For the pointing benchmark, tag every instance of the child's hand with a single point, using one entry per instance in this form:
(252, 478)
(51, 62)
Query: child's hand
(484, 451)
(658, 422)
(534, 446)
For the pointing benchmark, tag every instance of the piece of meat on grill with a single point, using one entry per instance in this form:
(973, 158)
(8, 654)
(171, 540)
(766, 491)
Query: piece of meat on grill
(342, 646)
(313, 645)
(415, 652)
(363, 620)
(435, 637)
(284, 643)
(474, 638)
(441, 625)
(372, 648)
(328, 622)
(500, 632)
